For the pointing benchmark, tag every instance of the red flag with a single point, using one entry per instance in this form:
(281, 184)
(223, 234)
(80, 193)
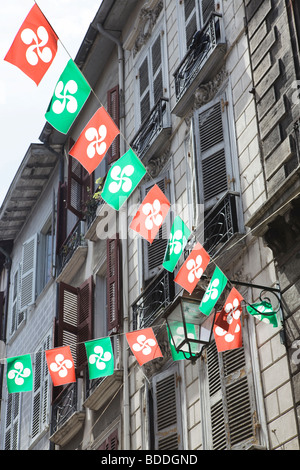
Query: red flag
(34, 47)
(227, 327)
(61, 365)
(95, 140)
(144, 346)
(193, 268)
(151, 214)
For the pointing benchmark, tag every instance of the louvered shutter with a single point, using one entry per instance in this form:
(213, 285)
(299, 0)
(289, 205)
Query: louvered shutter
(61, 217)
(214, 159)
(111, 443)
(190, 16)
(12, 421)
(207, 6)
(144, 90)
(40, 391)
(85, 320)
(232, 405)
(153, 254)
(68, 318)
(113, 284)
(157, 73)
(113, 108)
(28, 273)
(80, 187)
(167, 411)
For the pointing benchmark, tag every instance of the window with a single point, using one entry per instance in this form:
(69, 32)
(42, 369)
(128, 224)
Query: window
(79, 189)
(166, 420)
(111, 442)
(113, 284)
(113, 108)
(193, 15)
(17, 316)
(12, 421)
(40, 395)
(45, 256)
(229, 406)
(150, 73)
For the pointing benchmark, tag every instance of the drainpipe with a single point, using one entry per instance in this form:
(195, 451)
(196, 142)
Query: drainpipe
(4, 324)
(124, 244)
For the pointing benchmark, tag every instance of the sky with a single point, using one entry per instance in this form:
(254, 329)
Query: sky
(22, 103)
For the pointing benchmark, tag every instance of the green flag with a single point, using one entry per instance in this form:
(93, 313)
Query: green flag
(214, 290)
(19, 374)
(178, 239)
(122, 178)
(267, 314)
(100, 358)
(70, 94)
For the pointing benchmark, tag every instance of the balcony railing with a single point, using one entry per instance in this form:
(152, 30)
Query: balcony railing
(156, 125)
(74, 240)
(152, 302)
(221, 223)
(203, 59)
(64, 407)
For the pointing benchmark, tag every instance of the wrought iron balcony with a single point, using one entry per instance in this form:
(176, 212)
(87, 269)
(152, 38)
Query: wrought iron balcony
(152, 302)
(202, 60)
(221, 224)
(153, 131)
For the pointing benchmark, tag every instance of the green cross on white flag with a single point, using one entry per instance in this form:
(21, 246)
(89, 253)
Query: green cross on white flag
(122, 178)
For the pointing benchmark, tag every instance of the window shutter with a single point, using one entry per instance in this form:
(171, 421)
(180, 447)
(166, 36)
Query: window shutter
(156, 55)
(232, 406)
(68, 318)
(1, 313)
(61, 217)
(207, 6)
(28, 274)
(113, 284)
(40, 391)
(144, 89)
(113, 108)
(190, 20)
(167, 411)
(85, 320)
(153, 254)
(79, 180)
(111, 443)
(12, 422)
(212, 139)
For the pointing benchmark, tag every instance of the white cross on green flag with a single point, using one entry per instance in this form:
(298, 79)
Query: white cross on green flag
(70, 94)
(177, 240)
(100, 357)
(263, 311)
(214, 290)
(122, 178)
(19, 374)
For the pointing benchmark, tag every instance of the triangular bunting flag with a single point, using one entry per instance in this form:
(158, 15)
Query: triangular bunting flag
(144, 346)
(61, 365)
(19, 374)
(95, 140)
(122, 178)
(100, 358)
(178, 239)
(34, 47)
(227, 327)
(151, 214)
(214, 290)
(265, 312)
(193, 268)
(70, 94)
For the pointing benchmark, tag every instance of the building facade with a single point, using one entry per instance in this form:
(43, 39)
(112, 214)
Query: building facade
(203, 91)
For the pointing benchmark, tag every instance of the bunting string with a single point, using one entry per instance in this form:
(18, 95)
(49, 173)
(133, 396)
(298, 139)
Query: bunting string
(70, 95)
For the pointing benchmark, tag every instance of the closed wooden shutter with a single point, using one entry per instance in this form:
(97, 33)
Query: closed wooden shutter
(167, 411)
(232, 404)
(213, 148)
(113, 284)
(76, 319)
(28, 273)
(113, 108)
(80, 187)
(207, 6)
(111, 443)
(12, 421)
(40, 396)
(190, 16)
(153, 254)
(157, 73)
(144, 90)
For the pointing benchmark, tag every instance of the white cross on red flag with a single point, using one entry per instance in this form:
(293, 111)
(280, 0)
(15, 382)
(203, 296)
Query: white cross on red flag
(144, 345)
(34, 47)
(61, 365)
(193, 268)
(227, 326)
